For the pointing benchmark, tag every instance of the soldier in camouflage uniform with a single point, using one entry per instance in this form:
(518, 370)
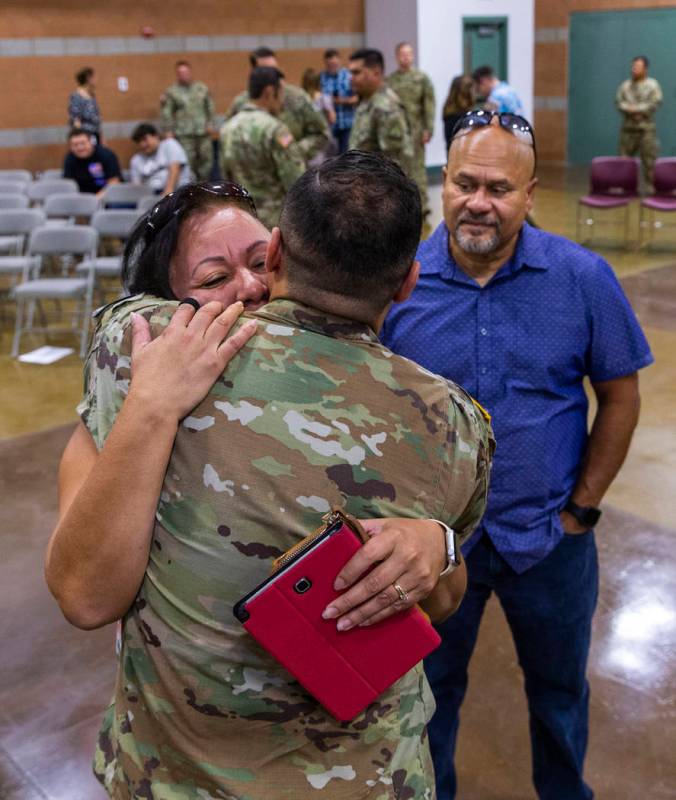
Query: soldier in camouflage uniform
(258, 150)
(188, 114)
(380, 122)
(637, 99)
(416, 92)
(313, 412)
(308, 126)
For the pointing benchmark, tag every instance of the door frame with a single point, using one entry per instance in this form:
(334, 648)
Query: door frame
(503, 22)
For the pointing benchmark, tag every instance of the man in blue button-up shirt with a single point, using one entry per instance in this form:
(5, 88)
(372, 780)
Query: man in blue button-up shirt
(519, 317)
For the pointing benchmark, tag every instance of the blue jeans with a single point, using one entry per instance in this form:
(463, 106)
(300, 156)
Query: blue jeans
(549, 609)
(342, 136)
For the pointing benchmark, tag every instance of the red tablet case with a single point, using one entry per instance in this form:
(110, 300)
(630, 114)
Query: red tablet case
(346, 670)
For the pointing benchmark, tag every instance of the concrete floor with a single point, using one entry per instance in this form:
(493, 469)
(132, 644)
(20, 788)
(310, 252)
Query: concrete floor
(56, 680)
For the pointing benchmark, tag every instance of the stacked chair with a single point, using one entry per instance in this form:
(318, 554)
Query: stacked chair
(613, 185)
(662, 201)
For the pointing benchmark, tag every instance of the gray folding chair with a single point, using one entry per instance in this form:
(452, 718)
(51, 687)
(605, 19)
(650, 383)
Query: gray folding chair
(51, 174)
(146, 203)
(15, 225)
(73, 240)
(124, 194)
(65, 209)
(110, 224)
(12, 187)
(22, 175)
(39, 191)
(13, 201)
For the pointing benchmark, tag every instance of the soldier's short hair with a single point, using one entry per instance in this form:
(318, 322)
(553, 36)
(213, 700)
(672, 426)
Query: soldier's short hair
(260, 52)
(261, 77)
(141, 131)
(484, 71)
(350, 228)
(182, 63)
(372, 58)
(83, 76)
(644, 59)
(400, 45)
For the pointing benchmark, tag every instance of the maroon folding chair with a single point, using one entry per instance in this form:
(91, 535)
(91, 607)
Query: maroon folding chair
(661, 201)
(613, 184)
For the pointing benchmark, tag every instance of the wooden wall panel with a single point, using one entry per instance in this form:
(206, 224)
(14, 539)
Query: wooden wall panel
(31, 18)
(148, 75)
(551, 72)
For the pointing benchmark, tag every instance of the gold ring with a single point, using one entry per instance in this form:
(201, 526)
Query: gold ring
(403, 595)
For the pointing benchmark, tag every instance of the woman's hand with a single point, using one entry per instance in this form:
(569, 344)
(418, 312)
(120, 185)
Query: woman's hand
(408, 553)
(174, 372)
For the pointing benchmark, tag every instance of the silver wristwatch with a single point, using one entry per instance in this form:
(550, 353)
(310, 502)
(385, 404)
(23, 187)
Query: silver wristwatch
(452, 549)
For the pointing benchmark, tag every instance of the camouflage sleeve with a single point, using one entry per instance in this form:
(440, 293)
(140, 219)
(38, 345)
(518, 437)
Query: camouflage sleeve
(621, 101)
(464, 482)
(652, 102)
(394, 139)
(107, 370)
(167, 111)
(315, 130)
(236, 105)
(209, 109)
(288, 157)
(428, 104)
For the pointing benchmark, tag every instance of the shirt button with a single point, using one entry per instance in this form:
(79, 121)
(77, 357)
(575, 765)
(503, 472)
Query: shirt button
(484, 331)
(484, 370)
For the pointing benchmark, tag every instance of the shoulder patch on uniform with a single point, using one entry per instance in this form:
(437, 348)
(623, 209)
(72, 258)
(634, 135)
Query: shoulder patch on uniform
(483, 411)
(115, 304)
(284, 139)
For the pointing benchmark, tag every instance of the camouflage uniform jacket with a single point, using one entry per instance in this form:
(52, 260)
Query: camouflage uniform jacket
(187, 110)
(381, 126)
(259, 152)
(416, 92)
(307, 125)
(314, 411)
(644, 96)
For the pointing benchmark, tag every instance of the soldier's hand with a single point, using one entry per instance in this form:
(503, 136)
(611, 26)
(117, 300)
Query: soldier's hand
(406, 552)
(175, 371)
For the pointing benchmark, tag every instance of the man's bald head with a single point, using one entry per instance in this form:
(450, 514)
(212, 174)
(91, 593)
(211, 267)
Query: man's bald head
(488, 189)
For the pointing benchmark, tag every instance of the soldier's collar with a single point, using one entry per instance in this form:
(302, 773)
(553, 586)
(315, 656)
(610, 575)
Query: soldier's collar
(293, 313)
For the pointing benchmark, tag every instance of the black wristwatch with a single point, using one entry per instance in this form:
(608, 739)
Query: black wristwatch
(585, 515)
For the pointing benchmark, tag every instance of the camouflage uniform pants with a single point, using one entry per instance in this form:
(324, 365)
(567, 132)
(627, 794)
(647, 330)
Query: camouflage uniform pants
(642, 142)
(200, 155)
(418, 172)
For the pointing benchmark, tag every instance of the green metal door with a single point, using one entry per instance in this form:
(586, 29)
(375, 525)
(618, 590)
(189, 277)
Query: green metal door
(602, 45)
(485, 42)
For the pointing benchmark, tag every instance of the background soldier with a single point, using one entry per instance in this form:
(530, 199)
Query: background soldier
(416, 92)
(258, 150)
(188, 114)
(380, 123)
(638, 98)
(308, 126)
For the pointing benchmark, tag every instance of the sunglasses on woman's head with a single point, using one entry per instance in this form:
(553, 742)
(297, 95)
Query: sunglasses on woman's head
(159, 215)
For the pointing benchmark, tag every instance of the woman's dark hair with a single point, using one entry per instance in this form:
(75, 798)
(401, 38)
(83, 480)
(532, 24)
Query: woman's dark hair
(147, 255)
(460, 95)
(311, 81)
(84, 76)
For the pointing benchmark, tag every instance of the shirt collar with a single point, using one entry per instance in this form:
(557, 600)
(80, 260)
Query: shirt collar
(528, 254)
(283, 310)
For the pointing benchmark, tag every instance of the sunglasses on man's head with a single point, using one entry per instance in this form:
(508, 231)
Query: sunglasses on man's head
(159, 215)
(513, 123)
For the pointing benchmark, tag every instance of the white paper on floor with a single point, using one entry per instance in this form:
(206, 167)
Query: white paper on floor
(46, 355)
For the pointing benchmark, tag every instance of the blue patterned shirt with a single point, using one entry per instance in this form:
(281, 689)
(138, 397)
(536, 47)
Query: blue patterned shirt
(505, 99)
(339, 85)
(521, 345)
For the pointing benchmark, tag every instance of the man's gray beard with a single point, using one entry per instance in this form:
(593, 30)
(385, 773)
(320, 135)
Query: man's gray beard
(476, 244)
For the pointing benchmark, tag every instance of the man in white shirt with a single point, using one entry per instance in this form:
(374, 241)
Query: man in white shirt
(161, 164)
